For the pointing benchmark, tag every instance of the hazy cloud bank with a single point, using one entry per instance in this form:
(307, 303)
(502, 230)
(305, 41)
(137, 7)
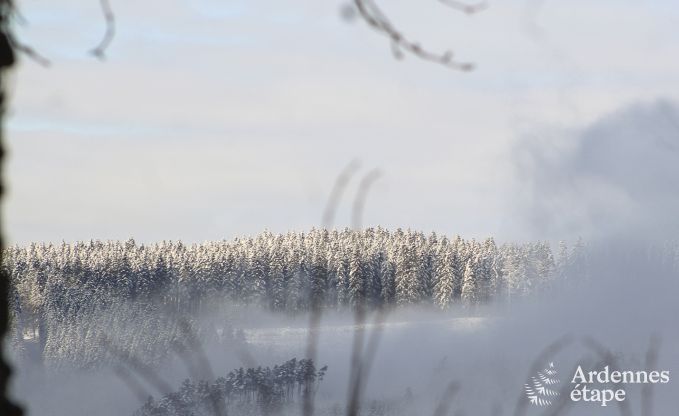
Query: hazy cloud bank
(616, 177)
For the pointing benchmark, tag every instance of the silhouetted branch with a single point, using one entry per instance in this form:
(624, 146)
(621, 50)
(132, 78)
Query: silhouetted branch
(361, 363)
(377, 20)
(100, 50)
(546, 354)
(137, 366)
(373, 344)
(316, 312)
(311, 352)
(443, 407)
(358, 373)
(28, 51)
(608, 359)
(7, 59)
(529, 17)
(563, 402)
(203, 369)
(647, 388)
(135, 387)
(337, 191)
(354, 399)
(464, 7)
(361, 196)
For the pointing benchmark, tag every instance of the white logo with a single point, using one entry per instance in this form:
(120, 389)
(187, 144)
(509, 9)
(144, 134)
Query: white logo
(539, 390)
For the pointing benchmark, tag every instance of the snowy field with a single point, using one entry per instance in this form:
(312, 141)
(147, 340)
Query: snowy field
(416, 360)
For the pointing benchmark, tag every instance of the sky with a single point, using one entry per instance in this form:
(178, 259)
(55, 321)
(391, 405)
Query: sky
(212, 119)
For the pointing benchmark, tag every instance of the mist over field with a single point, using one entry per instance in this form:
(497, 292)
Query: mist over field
(373, 208)
(466, 339)
(451, 325)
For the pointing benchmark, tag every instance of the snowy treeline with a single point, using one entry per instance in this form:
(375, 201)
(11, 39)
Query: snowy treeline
(267, 388)
(67, 296)
(287, 272)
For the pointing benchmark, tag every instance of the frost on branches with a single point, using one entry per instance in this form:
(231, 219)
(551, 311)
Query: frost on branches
(65, 295)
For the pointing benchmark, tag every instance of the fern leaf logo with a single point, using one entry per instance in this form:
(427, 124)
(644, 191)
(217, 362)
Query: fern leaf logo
(539, 389)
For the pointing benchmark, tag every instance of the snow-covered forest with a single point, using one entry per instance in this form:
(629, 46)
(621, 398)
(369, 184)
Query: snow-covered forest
(242, 390)
(65, 294)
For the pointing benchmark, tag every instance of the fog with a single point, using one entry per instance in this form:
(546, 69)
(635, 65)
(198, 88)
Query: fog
(613, 183)
(614, 178)
(490, 352)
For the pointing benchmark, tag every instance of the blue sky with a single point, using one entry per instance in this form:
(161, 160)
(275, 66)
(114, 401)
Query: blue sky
(211, 119)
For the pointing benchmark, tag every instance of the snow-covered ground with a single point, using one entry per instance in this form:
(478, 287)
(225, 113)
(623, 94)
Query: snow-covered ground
(297, 336)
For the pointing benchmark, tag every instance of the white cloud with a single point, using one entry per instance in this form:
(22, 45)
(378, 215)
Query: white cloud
(616, 177)
(198, 127)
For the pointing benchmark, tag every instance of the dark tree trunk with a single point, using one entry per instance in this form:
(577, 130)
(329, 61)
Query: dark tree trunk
(6, 60)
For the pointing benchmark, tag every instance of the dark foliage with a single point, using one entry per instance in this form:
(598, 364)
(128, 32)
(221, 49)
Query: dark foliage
(263, 388)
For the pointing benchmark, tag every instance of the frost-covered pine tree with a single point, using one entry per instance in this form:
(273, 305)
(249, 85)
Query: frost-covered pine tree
(317, 279)
(357, 277)
(471, 282)
(342, 273)
(387, 276)
(298, 287)
(256, 275)
(427, 262)
(513, 272)
(544, 265)
(408, 284)
(491, 268)
(444, 276)
(63, 292)
(277, 285)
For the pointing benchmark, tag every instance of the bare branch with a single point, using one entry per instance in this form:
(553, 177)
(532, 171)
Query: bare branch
(28, 51)
(360, 358)
(354, 399)
(201, 369)
(548, 352)
(609, 359)
(338, 188)
(373, 343)
(443, 407)
(361, 196)
(651, 362)
(133, 385)
(377, 20)
(100, 50)
(464, 7)
(136, 365)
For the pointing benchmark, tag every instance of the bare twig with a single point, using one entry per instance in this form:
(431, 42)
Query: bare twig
(355, 382)
(337, 191)
(647, 388)
(312, 347)
(137, 366)
(376, 19)
(133, 385)
(203, 369)
(360, 363)
(100, 50)
(316, 311)
(203, 364)
(443, 407)
(464, 7)
(361, 196)
(530, 16)
(28, 51)
(362, 360)
(563, 403)
(545, 354)
(610, 360)
(373, 343)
